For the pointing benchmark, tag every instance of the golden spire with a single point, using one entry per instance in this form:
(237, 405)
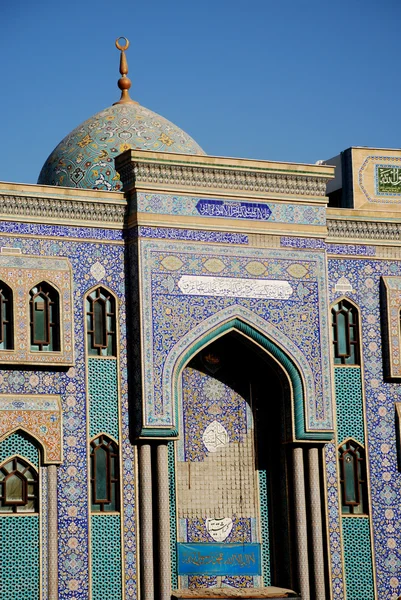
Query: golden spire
(124, 83)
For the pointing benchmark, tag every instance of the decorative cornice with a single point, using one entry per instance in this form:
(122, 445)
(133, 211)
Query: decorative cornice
(62, 209)
(363, 230)
(136, 173)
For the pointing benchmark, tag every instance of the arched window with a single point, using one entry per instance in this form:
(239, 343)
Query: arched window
(18, 487)
(353, 478)
(45, 318)
(345, 325)
(6, 317)
(101, 323)
(104, 475)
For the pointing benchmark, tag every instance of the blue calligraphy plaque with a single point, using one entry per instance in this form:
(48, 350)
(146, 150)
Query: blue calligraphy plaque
(219, 559)
(208, 207)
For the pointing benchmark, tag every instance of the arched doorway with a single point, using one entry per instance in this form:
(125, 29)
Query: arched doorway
(232, 464)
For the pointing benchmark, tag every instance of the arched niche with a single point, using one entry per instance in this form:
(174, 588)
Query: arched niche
(39, 416)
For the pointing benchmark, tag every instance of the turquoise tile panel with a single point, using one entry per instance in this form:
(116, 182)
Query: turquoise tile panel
(357, 558)
(103, 396)
(349, 404)
(19, 565)
(17, 443)
(106, 557)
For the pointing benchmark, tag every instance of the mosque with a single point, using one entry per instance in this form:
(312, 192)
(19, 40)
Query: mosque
(200, 361)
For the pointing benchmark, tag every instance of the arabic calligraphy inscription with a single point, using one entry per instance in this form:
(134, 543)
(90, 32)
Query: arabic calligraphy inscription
(388, 179)
(219, 529)
(234, 287)
(215, 436)
(208, 207)
(218, 559)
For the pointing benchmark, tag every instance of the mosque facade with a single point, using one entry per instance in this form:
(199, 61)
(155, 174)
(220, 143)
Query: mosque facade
(200, 371)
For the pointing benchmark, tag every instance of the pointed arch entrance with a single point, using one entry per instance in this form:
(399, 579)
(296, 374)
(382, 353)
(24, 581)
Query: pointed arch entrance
(240, 478)
(232, 462)
(307, 389)
(274, 499)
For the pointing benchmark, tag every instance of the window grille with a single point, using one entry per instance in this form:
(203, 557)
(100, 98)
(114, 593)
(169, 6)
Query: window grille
(6, 317)
(345, 326)
(353, 478)
(104, 475)
(101, 323)
(45, 321)
(18, 487)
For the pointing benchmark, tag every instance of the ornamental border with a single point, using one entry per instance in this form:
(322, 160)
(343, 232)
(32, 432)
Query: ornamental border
(364, 230)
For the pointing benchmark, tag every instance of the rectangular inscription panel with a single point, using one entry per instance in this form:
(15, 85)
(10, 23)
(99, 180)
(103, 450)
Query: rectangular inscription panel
(234, 287)
(219, 559)
(208, 207)
(388, 180)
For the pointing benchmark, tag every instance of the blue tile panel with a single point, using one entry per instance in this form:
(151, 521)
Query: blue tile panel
(176, 320)
(71, 385)
(59, 231)
(19, 444)
(349, 249)
(334, 517)
(106, 557)
(19, 561)
(365, 276)
(168, 233)
(209, 207)
(103, 396)
(349, 404)
(357, 558)
(279, 212)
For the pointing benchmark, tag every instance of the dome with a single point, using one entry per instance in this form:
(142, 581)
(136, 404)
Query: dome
(85, 157)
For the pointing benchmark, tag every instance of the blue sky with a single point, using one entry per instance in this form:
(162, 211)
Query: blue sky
(289, 81)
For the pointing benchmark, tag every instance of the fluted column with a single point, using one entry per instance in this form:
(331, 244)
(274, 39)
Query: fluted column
(163, 522)
(52, 541)
(146, 522)
(301, 535)
(317, 530)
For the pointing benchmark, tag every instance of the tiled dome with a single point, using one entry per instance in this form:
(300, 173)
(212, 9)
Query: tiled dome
(85, 158)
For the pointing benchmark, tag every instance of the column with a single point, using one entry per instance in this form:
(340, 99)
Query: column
(316, 516)
(301, 523)
(52, 541)
(146, 522)
(163, 510)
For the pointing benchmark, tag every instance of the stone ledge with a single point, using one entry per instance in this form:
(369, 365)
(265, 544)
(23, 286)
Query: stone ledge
(240, 177)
